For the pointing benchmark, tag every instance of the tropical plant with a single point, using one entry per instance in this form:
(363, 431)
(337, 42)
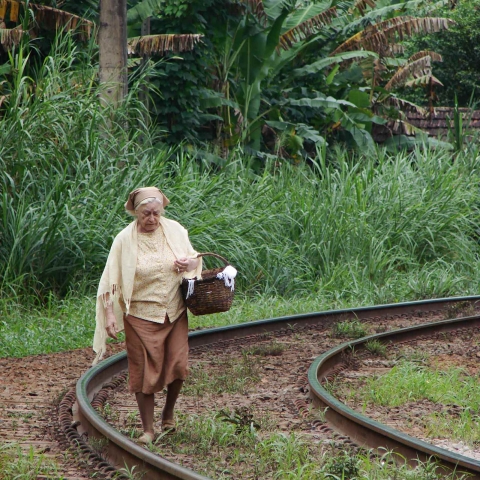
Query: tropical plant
(258, 52)
(458, 47)
(307, 70)
(35, 17)
(114, 46)
(385, 73)
(269, 36)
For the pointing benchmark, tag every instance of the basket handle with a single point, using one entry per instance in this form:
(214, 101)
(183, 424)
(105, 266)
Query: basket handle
(224, 260)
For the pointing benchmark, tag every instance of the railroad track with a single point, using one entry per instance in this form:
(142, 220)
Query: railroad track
(81, 422)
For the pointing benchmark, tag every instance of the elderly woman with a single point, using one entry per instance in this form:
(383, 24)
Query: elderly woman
(140, 292)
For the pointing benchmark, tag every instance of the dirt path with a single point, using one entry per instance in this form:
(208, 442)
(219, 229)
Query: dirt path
(275, 396)
(30, 390)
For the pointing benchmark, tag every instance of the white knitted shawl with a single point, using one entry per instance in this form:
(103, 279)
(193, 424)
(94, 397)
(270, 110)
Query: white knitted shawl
(119, 273)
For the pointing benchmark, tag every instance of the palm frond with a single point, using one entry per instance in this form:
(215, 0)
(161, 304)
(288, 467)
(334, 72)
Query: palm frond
(361, 5)
(160, 44)
(11, 7)
(418, 65)
(55, 19)
(417, 68)
(424, 81)
(397, 49)
(399, 127)
(48, 17)
(378, 37)
(407, 26)
(10, 37)
(307, 28)
(434, 56)
(402, 105)
(350, 44)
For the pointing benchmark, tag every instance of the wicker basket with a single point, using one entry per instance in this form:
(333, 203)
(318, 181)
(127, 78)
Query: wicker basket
(210, 295)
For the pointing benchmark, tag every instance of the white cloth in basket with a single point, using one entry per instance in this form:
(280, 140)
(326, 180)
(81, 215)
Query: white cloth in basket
(228, 275)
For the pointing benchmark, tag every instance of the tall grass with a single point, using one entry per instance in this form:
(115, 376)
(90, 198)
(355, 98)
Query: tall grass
(349, 230)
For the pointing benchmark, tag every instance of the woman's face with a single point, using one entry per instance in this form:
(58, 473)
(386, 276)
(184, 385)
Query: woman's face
(148, 217)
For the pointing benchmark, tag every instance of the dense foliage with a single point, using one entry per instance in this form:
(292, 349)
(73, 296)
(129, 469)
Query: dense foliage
(67, 165)
(284, 78)
(461, 56)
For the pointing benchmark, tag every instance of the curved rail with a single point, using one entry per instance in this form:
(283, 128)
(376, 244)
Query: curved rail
(123, 452)
(369, 433)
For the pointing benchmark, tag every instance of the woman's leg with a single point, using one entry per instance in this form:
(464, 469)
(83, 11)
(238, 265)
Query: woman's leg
(146, 405)
(173, 390)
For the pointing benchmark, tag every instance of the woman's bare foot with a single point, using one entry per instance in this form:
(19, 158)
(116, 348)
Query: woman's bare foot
(146, 438)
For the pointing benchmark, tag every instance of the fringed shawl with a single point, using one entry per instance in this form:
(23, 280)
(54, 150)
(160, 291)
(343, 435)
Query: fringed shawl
(119, 273)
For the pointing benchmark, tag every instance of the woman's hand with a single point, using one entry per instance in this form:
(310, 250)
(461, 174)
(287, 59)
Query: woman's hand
(184, 264)
(111, 325)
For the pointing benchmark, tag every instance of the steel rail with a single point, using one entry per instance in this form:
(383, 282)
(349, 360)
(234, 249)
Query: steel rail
(123, 452)
(369, 433)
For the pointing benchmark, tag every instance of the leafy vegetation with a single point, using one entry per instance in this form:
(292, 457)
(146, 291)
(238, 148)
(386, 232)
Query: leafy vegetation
(412, 380)
(409, 381)
(16, 463)
(284, 77)
(224, 451)
(349, 329)
(376, 347)
(232, 377)
(377, 218)
(347, 230)
(289, 78)
(461, 59)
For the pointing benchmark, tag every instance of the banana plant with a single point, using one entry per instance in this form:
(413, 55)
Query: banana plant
(385, 72)
(373, 44)
(266, 43)
(272, 34)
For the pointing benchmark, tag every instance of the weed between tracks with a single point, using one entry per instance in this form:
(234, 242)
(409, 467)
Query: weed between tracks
(349, 329)
(432, 389)
(273, 348)
(459, 309)
(231, 376)
(15, 463)
(251, 449)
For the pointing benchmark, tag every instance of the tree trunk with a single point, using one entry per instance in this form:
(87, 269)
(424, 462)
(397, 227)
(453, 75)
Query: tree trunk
(112, 41)
(145, 30)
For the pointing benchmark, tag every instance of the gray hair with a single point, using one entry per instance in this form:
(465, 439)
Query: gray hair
(147, 201)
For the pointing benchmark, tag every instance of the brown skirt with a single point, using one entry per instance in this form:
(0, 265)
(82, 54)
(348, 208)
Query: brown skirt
(157, 353)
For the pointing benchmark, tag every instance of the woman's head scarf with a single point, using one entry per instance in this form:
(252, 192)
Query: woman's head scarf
(136, 197)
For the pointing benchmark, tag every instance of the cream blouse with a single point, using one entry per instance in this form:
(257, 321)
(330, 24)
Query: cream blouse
(156, 286)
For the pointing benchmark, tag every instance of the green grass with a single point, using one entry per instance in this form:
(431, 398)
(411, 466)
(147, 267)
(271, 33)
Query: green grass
(465, 427)
(17, 464)
(349, 229)
(69, 323)
(59, 326)
(376, 347)
(226, 450)
(270, 349)
(349, 329)
(231, 376)
(409, 382)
